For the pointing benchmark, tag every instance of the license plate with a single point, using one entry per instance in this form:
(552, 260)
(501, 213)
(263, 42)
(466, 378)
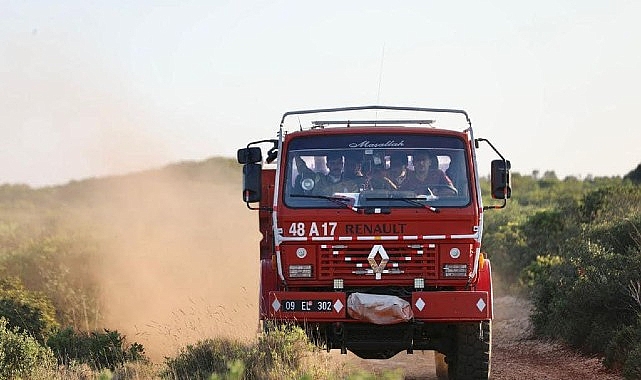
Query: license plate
(308, 305)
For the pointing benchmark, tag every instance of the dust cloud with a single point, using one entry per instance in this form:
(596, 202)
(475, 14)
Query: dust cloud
(181, 261)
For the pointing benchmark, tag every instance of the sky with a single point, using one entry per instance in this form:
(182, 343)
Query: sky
(91, 88)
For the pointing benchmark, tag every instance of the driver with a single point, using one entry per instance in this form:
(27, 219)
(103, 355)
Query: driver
(332, 182)
(426, 177)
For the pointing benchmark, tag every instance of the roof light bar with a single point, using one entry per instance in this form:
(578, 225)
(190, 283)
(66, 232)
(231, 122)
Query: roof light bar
(319, 123)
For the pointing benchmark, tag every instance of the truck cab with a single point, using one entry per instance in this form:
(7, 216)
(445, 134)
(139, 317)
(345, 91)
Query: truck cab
(372, 231)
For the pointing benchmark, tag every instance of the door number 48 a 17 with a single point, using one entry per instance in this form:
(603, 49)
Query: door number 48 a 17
(315, 229)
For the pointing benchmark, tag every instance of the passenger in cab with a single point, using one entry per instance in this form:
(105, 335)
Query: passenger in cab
(379, 179)
(353, 176)
(397, 171)
(427, 178)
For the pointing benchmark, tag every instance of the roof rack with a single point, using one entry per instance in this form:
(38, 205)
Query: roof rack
(322, 123)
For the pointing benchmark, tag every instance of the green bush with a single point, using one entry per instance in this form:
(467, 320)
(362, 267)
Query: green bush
(632, 366)
(583, 299)
(27, 311)
(21, 356)
(207, 357)
(277, 354)
(99, 350)
(622, 343)
(635, 177)
(67, 278)
(613, 202)
(548, 279)
(588, 252)
(282, 345)
(622, 235)
(504, 243)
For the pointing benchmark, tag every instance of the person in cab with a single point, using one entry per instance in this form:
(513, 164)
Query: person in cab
(427, 178)
(334, 181)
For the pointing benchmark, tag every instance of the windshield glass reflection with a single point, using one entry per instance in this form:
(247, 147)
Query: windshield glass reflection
(412, 171)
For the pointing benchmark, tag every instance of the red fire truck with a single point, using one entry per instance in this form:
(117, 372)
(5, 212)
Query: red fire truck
(372, 231)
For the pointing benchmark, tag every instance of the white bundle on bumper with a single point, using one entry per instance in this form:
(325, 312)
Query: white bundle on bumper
(378, 309)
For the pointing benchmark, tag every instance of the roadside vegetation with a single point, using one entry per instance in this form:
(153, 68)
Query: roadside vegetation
(573, 246)
(52, 313)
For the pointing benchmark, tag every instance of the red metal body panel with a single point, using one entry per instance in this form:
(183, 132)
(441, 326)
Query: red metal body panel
(268, 283)
(485, 283)
(264, 216)
(451, 306)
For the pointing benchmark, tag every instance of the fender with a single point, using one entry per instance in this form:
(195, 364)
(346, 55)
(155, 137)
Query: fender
(485, 282)
(268, 283)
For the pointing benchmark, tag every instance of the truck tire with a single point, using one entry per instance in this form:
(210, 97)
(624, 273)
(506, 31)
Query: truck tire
(472, 357)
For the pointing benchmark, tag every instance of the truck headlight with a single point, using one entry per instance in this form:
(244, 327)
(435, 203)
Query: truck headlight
(455, 270)
(301, 252)
(300, 271)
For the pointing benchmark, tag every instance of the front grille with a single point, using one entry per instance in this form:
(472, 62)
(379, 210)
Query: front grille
(405, 261)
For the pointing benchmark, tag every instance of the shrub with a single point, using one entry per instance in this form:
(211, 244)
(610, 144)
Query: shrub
(620, 236)
(583, 298)
(612, 202)
(29, 312)
(60, 264)
(21, 355)
(98, 350)
(207, 357)
(280, 351)
(548, 278)
(136, 371)
(277, 354)
(632, 366)
(620, 346)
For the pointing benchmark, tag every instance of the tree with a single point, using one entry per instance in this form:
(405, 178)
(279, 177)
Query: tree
(26, 311)
(634, 176)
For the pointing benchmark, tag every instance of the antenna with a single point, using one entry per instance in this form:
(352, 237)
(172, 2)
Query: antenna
(380, 79)
(380, 76)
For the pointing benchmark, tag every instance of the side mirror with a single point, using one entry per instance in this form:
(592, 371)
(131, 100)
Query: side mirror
(501, 179)
(251, 182)
(249, 155)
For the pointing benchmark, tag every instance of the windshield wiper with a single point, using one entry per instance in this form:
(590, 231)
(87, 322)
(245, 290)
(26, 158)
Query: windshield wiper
(415, 201)
(338, 200)
(412, 201)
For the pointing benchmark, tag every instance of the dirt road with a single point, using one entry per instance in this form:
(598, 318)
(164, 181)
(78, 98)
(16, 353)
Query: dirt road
(514, 354)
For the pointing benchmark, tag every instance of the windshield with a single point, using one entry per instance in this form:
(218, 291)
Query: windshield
(376, 171)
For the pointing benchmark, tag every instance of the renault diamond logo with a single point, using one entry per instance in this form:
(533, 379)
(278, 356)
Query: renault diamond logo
(377, 266)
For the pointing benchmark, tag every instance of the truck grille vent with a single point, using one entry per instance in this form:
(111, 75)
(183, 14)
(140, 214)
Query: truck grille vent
(404, 261)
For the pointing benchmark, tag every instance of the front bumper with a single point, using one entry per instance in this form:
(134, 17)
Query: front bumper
(433, 306)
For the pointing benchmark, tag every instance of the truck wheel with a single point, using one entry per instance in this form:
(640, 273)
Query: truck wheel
(472, 359)
(440, 365)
